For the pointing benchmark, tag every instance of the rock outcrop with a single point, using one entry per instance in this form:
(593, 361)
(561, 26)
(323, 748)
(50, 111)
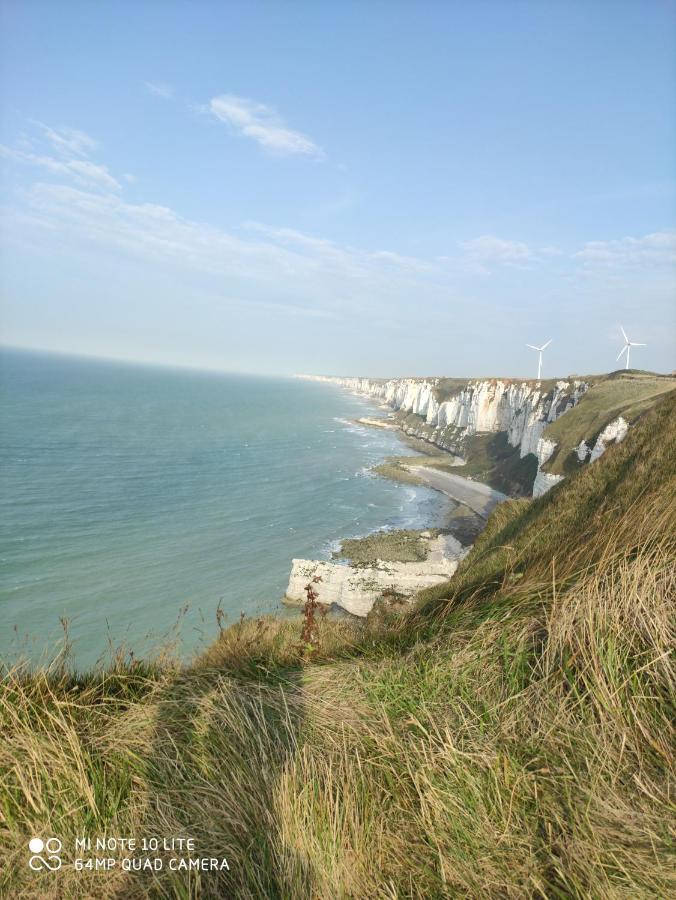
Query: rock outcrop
(356, 588)
(615, 431)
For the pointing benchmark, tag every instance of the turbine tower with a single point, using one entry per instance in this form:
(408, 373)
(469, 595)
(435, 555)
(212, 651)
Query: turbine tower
(627, 347)
(539, 350)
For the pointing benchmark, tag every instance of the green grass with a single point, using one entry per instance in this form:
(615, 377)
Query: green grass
(394, 470)
(511, 736)
(491, 459)
(446, 388)
(628, 394)
(389, 546)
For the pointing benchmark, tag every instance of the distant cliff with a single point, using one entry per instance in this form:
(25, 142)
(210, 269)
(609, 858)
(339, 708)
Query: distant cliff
(449, 412)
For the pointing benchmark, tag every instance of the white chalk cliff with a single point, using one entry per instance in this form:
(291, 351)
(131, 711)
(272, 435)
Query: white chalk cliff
(520, 409)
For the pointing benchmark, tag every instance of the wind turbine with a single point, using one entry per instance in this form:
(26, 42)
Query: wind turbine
(627, 346)
(539, 350)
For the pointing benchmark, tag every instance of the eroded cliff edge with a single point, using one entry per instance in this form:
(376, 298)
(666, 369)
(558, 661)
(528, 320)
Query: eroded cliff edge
(450, 413)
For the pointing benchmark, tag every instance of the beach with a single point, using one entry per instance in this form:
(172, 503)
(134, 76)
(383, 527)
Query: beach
(478, 497)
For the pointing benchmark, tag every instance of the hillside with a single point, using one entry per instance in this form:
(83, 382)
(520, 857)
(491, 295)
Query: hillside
(511, 736)
(628, 394)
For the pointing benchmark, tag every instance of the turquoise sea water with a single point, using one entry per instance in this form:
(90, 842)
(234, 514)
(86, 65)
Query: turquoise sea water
(128, 493)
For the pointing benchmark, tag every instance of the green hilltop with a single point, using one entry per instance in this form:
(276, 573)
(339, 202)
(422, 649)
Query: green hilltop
(625, 393)
(508, 736)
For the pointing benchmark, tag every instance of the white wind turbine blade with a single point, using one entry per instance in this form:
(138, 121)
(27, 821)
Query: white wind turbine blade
(626, 346)
(624, 334)
(634, 344)
(544, 346)
(532, 347)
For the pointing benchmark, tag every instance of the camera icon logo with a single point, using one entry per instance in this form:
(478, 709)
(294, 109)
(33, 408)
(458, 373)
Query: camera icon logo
(51, 847)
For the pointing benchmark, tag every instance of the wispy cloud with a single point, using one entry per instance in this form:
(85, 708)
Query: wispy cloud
(657, 249)
(262, 124)
(160, 89)
(299, 275)
(68, 141)
(487, 251)
(83, 171)
(303, 312)
(72, 148)
(294, 273)
(400, 261)
(357, 260)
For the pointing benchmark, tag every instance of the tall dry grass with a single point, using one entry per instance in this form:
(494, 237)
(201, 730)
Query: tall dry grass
(513, 738)
(528, 755)
(531, 755)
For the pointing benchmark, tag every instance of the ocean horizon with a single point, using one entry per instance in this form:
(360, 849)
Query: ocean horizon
(137, 499)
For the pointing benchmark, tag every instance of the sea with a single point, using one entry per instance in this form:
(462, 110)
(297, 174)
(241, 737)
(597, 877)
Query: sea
(136, 501)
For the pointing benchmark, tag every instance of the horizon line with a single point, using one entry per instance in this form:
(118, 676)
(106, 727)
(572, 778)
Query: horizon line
(135, 361)
(193, 367)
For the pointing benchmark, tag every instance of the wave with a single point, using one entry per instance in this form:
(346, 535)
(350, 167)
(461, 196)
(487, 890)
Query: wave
(351, 426)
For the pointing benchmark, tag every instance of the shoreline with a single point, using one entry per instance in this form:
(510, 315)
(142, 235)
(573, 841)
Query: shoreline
(477, 496)
(355, 588)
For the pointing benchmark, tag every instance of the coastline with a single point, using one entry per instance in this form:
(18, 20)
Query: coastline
(477, 496)
(350, 587)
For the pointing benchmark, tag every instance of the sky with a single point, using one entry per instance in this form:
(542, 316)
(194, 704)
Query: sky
(374, 188)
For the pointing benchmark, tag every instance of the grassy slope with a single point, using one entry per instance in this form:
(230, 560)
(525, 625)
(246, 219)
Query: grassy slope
(628, 394)
(511, 737)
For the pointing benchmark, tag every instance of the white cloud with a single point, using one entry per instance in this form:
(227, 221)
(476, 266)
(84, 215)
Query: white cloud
(263, 125)
(494, 249)
(294, 273)
(68, 141)
(356, 259)
(655, 249)
(304, 312)
(302, 243)
(397, 260)
(72, 147)
(86, 171)
(81, 170)
(165, 91)
(487, 251)
(297, 274)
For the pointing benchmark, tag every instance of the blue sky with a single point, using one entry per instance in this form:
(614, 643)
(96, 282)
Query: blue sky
(380, 188)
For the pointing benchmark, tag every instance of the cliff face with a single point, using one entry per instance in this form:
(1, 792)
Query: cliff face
(521, 410)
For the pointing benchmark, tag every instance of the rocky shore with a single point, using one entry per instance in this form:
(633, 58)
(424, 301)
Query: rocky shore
(355, 589)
